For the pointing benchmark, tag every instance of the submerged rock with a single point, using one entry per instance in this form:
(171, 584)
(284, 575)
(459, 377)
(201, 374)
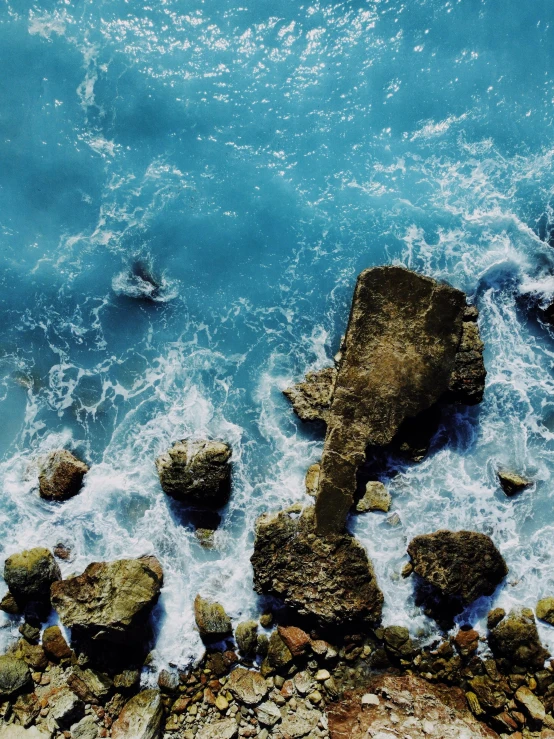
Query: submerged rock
(30, 574)
(401, 356)
(311, 399)
(330, 579)
(141, 717)
(512, 483)
(110, 600)
(212, 621)
(405, 707)
(516, 639)
(376, 498)
(461, 564)
(61, 475)
(196, 472)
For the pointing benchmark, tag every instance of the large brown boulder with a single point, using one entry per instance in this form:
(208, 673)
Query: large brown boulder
(328, 578)
(410, 343)
(110, 600)
(29, 574)
(141, 717)
(405, 707)
(459, 564)
(515, 639)
(211, 620)
(196, 472)
(61, 475)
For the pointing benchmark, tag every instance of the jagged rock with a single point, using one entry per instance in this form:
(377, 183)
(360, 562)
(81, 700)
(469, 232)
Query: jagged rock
(141, 717)
(328, 578)
(512, 483)
(246, 635)
(247, 686)
(400, 357)
(532, 705)
(8, 604)
(227, 728)
(312, 480)
(197, 472)
(494, 617)
(110, 600)
(461, 564)
(66, 708)
(466, 641)
(15, 676)
(467, 381)
(376, 498)
(212, 621)
(545, 610)
(300, 722)
(32, 654)
(61, 475)
(489, 693)
(311, 399)
(30, 574)
(409, 707)
(54, 643)
(516, 639)
(397, 640)
(268, 713)
(86, 728)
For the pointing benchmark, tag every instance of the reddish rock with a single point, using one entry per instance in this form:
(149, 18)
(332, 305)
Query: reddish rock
(407, 706)
(54, 644)
(466, 641)
(296, 640)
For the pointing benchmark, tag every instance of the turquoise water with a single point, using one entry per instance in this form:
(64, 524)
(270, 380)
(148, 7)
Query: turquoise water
(257, 158)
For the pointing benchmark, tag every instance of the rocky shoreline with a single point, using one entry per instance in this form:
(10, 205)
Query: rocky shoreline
(321, 665)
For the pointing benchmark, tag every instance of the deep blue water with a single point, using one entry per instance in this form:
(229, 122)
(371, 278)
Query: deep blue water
(257, 158)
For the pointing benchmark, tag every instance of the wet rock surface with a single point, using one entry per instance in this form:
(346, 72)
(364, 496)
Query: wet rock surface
(512, 483)
(196, 472)
(400, 357)
(515, 639)
(30, 574)
(330, 579)
(61, 475)
(405, 707)
(15, 676)
(311, 399)
(212, 621)
(110, 600)
(462, 564)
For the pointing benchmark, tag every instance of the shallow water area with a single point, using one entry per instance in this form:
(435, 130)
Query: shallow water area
(255, 159)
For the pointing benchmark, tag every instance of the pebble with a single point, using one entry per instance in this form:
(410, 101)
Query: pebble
(370, 699)
(322, 675)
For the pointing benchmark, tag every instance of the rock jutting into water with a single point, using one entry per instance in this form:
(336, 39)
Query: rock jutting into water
(328, 578)
(61, 475)
(516, 640)
(196, 472)
(410, 343)
(212, 621)
(405, 706)
(30, 574)
(459, 564)
(110, 600)
(512, 483)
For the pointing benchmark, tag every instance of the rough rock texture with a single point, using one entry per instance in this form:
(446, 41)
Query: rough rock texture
(312, 480)
(311, 399)
(246, 635)
(19, 732)
(376, 498)
(30, 574)
(405, 707)
(512, 483)
(110, 600)
(399, 359)
(196, 472)
(14, 676)
(211, 619)
(515, 638)
(141, 718)
(545, 610)
(330, 579)
(61, 475)
(463, 564)
(248, 686)
(54, 644)
(227, 728)
(467, 381)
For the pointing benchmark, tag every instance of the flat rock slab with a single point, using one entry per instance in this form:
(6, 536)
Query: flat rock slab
(227, 728)
(110, 600)
(247, 686)
(328, 578)
(405, 707)
(460, 564)
(398, 358)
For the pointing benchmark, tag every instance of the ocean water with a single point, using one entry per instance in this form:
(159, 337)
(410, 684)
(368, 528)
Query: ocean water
(256, 157)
